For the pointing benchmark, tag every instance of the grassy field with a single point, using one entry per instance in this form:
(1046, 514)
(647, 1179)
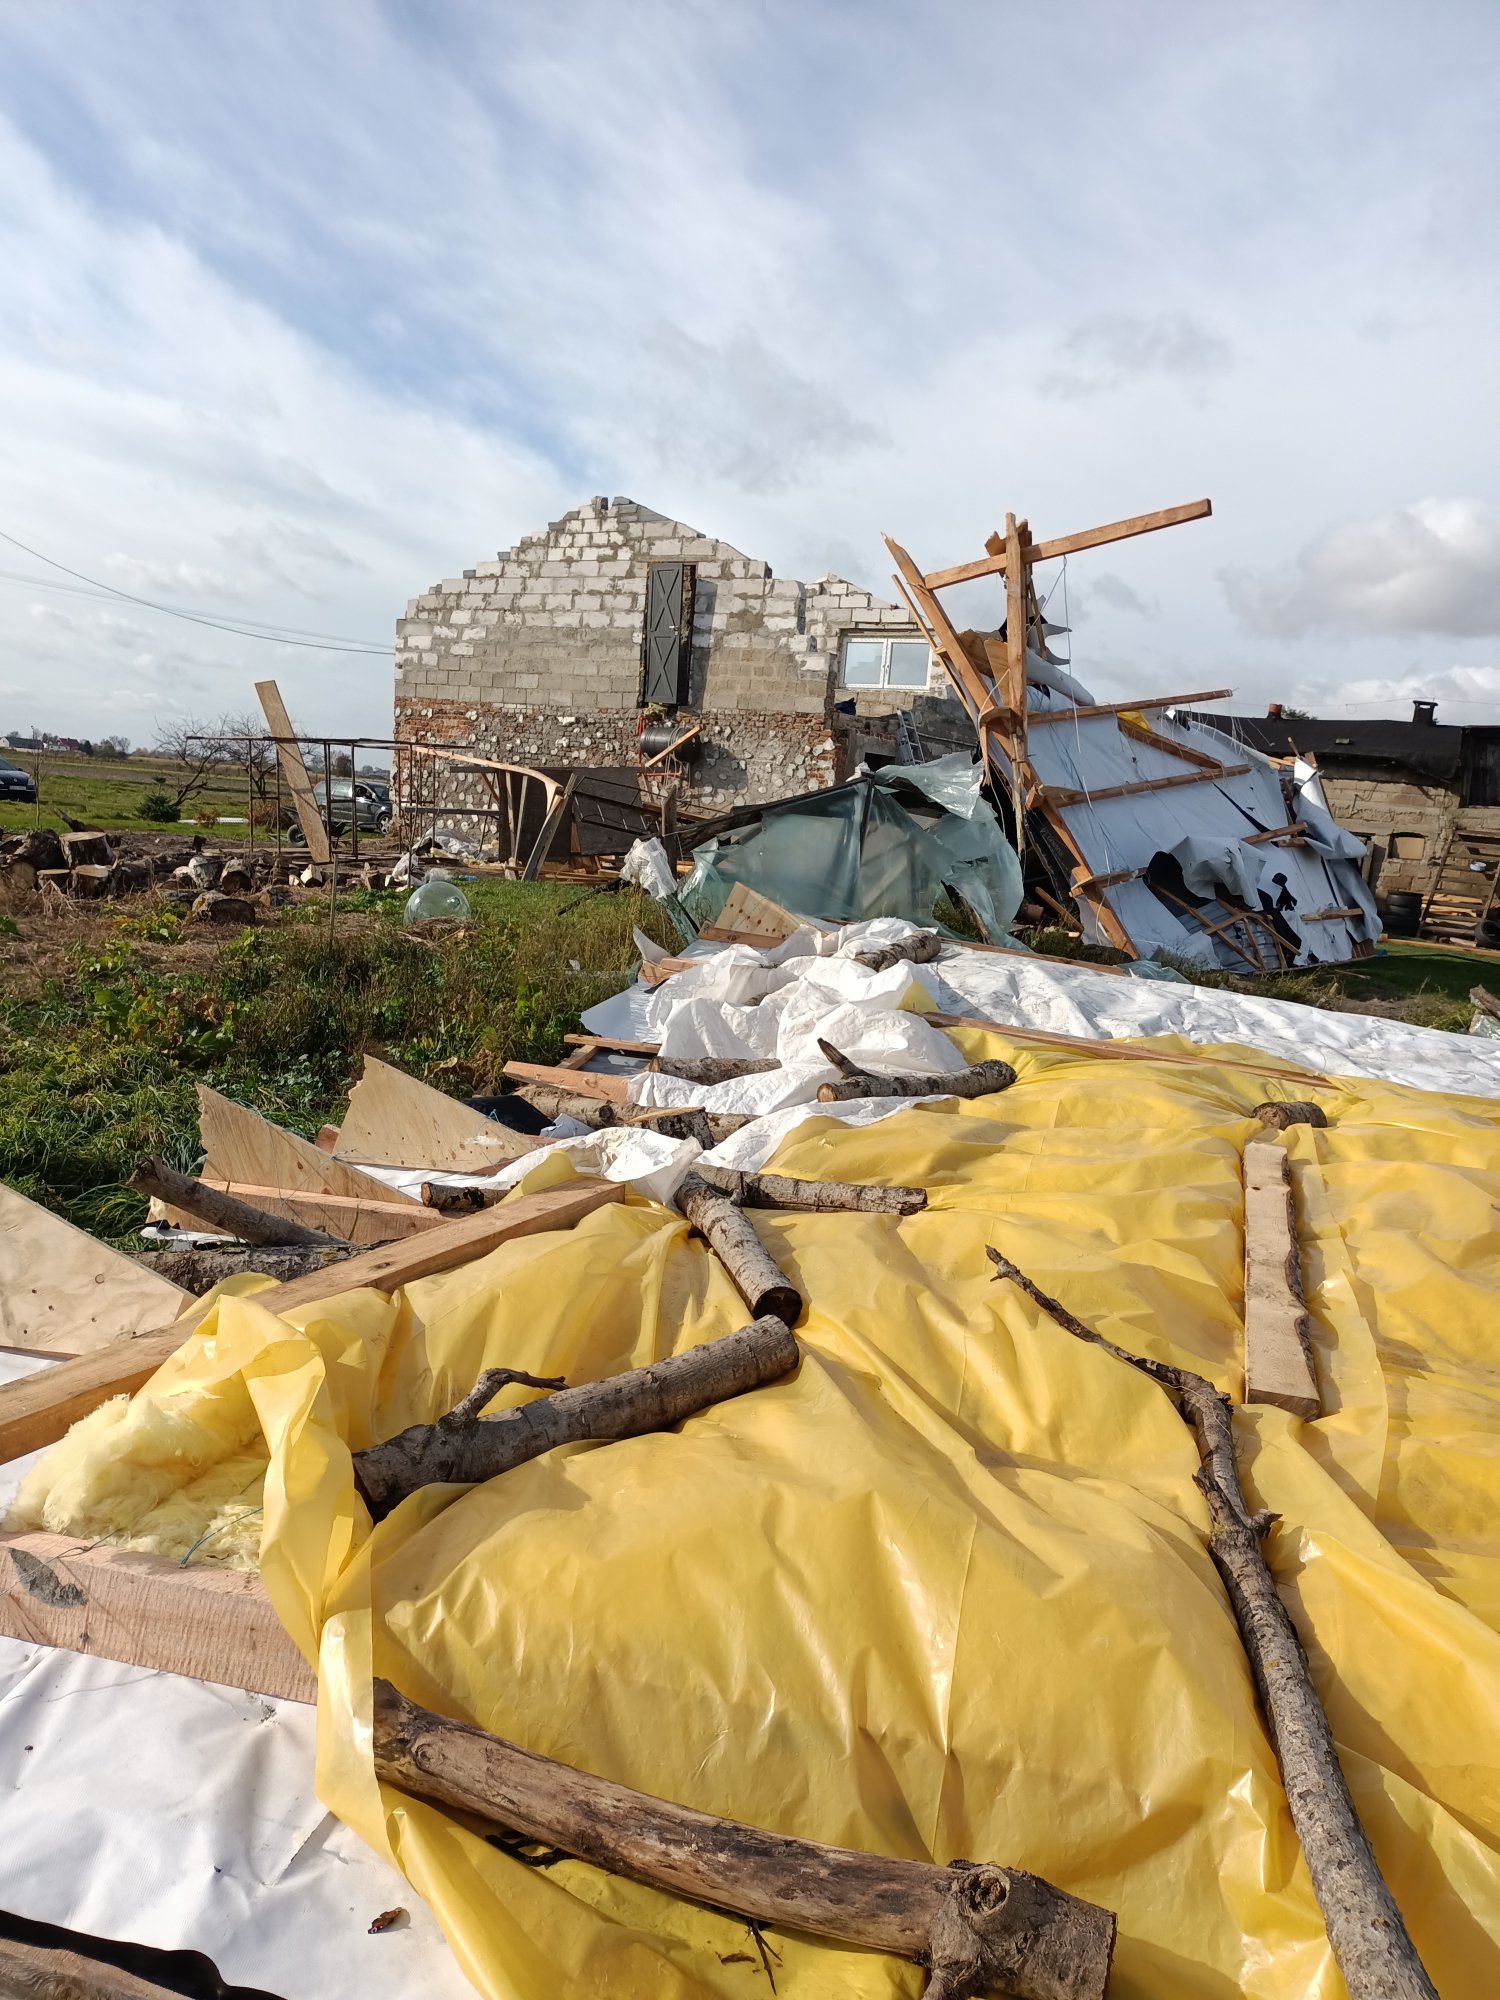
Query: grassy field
(108, 1021)
(106, 792)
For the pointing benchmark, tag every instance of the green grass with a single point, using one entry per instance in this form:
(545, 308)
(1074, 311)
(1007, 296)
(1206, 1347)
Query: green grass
(105, 792)
(100, 1064)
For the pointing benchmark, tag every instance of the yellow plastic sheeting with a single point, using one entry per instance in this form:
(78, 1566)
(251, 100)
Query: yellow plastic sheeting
(944, 1592)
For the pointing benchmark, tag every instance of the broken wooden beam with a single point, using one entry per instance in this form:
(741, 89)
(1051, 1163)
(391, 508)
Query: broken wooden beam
(37, 1410)
(977, 1928)
(1278, 1336)
(220, 1211)
(467, 1448)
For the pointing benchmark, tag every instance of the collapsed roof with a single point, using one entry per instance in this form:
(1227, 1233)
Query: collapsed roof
(1171, 838)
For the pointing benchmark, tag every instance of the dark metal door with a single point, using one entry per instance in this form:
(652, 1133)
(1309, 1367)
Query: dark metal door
(667, 643)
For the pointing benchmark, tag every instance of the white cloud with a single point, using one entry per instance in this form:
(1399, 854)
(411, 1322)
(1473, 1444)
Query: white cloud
(1112, 350)
(1433, 567)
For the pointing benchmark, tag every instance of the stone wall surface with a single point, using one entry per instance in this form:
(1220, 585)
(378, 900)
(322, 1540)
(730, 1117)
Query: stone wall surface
(535, 658)
(1381, 805)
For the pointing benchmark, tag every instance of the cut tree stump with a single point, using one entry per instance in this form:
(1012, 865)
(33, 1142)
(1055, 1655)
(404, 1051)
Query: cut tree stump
(979, 1928)
(466, 1448)
(1365, 1928)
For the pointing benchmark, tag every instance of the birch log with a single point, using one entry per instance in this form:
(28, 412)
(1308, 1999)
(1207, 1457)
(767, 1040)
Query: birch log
(978, 1080)
(225, 1212)
(467, 1448)
(979, 1929)
(1366, 1930)
(760, 1281)
(813, 1197)
(714, 1069)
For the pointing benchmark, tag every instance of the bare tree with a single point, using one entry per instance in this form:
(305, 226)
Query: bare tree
(184, 740)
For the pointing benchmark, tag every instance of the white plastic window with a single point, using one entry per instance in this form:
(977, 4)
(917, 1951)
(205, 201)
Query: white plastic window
(885, 663)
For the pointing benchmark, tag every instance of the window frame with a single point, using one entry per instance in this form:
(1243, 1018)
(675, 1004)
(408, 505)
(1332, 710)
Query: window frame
(886, 641)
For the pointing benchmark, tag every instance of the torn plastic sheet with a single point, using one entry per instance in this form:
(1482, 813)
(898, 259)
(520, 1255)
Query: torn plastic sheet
(891, 844)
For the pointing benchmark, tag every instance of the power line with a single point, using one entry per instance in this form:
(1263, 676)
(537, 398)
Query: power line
(271, 634)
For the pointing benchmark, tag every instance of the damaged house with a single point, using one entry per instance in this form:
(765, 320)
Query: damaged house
(621, 640)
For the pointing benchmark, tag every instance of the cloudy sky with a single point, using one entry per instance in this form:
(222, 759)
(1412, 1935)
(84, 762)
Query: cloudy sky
(303, 308)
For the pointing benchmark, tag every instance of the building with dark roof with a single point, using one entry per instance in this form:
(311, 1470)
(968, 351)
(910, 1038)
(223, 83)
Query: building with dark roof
(1424, 794)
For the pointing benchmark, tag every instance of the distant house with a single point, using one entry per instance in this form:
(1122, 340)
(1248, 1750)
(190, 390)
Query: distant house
(1424, 794)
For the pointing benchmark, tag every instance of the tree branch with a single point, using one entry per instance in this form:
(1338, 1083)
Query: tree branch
(224, 1211)
(814, 1197)
(464, 1448)
(1365, 1928)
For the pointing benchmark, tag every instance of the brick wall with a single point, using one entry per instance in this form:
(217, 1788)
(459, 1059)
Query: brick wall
(536, 657)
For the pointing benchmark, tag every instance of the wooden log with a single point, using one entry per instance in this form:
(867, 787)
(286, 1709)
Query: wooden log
(1278, 1339)
(598, 1114)
(1365, 1928)
(715, 1069)
(224, 1212)
(978, 1080)
(198, 1271)
(466, 1448)
(757, 1277)
(921, 948)
(812, 1197)
(39, 1408)
(976, 1928)
(1291, 1111)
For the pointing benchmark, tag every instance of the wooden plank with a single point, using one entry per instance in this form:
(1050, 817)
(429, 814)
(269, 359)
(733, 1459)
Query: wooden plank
(1067, 545)
(1114, 1051)
(1327, 916)
(1079, 883)
(293, 769)
(945, 641)
(1013, 687)
(1087, 713)
(748, 911)
(1278, 1342)
(398, 1207)
(148, 1611)
(1139, 732)
(245, 1150)
(64, 1292)
(583, 1083)
(396, 1120)
(37, 1410)
(1291, 832)
(1058, 795)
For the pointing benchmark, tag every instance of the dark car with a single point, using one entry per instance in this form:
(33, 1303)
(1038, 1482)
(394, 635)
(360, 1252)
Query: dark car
(17, 787)
(348, 802)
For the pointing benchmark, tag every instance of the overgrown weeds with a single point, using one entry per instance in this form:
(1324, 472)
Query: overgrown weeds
(100, 1065)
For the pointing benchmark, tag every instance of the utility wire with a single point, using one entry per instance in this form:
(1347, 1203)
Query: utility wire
(267, 633)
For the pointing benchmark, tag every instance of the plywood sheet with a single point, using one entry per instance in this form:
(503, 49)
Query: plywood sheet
(63, 1292)
(244, 1148)
(395, 1120)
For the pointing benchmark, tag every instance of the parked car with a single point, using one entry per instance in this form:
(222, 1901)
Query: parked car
(349, 802)
(17, 786)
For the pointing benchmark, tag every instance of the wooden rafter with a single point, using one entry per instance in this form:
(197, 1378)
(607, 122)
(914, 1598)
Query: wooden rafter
(1093, 708)
(1068, 545)
(1061, 795)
